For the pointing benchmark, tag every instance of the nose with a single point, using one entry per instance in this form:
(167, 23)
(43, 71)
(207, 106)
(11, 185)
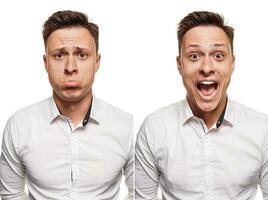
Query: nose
(207, 67)
(70, 66)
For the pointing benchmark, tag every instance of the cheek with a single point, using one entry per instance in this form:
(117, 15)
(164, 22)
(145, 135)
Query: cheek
(190, 68)
(187, 82)
(226, 73)
(189, 74)
(54, 74)
(87, 68)
(55, 67)
(87, 75)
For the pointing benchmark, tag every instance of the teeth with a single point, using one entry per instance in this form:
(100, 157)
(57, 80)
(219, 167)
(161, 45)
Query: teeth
(207, 82)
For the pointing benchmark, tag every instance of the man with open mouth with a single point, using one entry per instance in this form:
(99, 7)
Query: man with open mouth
(206, 146)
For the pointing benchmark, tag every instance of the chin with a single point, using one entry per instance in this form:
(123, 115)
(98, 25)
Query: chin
(70, 96)
(72, 99)
(209, 106)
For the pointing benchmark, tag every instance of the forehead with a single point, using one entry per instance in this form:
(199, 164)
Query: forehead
(205, 36)
(67, 37)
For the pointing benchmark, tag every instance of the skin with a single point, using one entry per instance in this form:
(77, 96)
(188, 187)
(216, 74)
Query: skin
(71, 62)
(206, 56)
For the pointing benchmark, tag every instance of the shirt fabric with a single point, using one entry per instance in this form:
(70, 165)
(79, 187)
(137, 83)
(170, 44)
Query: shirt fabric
(59, 161)
(176, 151)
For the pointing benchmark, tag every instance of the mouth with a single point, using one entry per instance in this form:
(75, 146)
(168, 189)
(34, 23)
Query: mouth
(207, 89)
(71, 85)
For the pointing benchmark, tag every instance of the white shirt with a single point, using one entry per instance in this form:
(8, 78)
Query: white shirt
(62, 162)
(175, 149)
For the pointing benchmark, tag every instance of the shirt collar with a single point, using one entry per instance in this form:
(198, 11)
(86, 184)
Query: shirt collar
(229, 116)
(53, 110)
(221, 118)
(187, 112)
(87, 116)
(91, 115)
(226, 115)
(95, 110)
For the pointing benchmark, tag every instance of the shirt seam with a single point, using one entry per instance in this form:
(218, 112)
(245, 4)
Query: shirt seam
(153, 140)
(264, 147)
(16, 146)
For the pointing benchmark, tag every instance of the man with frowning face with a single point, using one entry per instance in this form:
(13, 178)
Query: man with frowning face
(71, 145)
(206, 146)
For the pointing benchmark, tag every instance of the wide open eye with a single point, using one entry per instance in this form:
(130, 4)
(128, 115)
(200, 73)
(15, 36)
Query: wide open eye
(194, 56)
(219, 56)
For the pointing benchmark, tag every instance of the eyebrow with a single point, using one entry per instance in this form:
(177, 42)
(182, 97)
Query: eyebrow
(197, 45)
(80, 48)
(219, 45)
(75, 49)
(59, 49)
(193, 45)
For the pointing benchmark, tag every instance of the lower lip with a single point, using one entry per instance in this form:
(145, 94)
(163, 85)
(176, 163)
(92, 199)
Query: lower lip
(71, 84)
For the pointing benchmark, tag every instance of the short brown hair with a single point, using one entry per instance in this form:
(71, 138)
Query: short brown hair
(66, 19)
(199, 18)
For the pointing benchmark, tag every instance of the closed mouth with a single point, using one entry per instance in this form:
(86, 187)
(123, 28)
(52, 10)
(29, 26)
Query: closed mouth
(71, 84)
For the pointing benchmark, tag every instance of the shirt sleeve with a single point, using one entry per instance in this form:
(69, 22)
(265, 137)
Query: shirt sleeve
(12, 173)
(146, 173)
(263, 181)
(128, 168)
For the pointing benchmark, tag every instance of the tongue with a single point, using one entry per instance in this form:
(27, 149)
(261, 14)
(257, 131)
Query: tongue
(207, 90)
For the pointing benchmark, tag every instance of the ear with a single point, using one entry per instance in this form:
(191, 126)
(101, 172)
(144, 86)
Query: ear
(45, 62)
(233, 64)
(179, 65)
(98, 59)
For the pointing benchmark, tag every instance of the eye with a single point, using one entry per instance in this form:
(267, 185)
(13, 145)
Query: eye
(219, 56)
(82, 55)
(194, 56)
(59, 55)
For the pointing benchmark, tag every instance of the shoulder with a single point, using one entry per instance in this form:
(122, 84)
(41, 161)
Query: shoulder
(113, 121)
(253, 122)
(247, 114)
(169, 112)
(158, 122)
(32, 111)
(23, 119)
(109, 111)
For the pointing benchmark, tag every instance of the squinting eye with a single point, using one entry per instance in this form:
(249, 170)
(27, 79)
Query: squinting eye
(59, 55)
(82, 55)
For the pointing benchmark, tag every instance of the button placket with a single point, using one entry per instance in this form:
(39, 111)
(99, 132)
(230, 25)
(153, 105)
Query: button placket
(208, 167)
(74, 167)
(73, 159)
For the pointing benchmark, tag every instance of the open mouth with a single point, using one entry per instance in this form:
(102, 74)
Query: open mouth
(207, 88)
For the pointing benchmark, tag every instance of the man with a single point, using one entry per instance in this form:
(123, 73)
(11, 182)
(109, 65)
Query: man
(72, 145)
(207, 146)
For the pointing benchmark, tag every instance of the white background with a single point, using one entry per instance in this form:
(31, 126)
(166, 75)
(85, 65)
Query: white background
(138, 45)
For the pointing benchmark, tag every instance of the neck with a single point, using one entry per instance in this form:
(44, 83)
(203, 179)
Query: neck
(75, 110)
(211, 117)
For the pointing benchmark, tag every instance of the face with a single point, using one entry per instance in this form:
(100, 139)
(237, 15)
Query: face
(71, 62)
(206, 63)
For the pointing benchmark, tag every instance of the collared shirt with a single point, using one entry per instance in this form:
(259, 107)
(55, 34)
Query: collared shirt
(176, 151)
(59, 161)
